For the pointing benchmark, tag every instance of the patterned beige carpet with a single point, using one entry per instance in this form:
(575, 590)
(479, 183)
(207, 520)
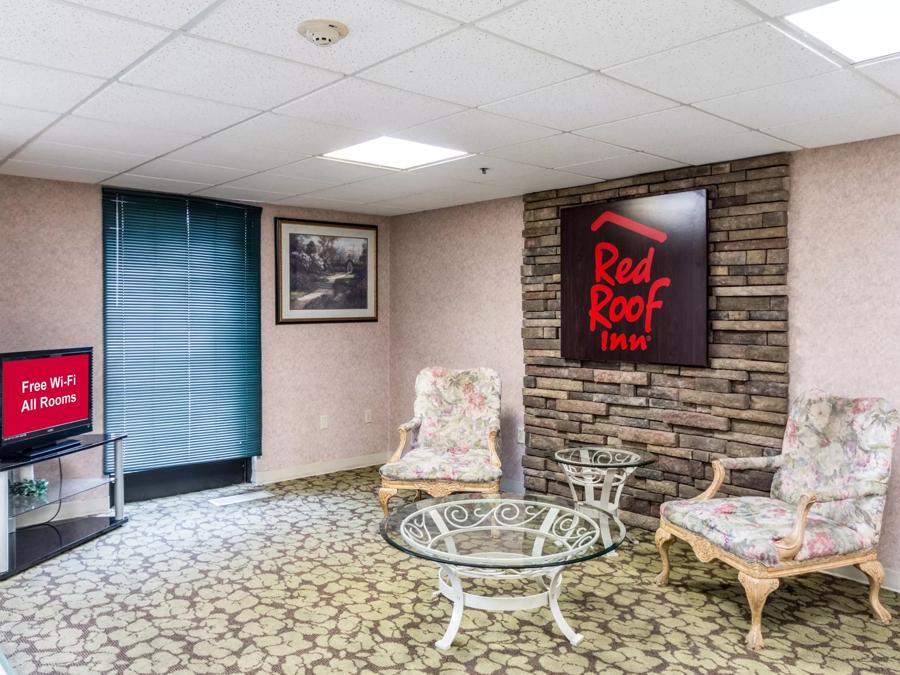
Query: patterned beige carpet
(303, 583)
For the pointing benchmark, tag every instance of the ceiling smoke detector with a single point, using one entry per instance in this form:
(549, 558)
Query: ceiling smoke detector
(323, 32)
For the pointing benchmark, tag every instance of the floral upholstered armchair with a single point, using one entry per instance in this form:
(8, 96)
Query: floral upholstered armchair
(455, 430)
(825, 508)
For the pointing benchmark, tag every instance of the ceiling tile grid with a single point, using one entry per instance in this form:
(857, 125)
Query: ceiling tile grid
(359, 104)
(54, 34)
(224, 98)
(601, 33)
(748, 58)
(471, 68)
(379, 29)
(227, 74)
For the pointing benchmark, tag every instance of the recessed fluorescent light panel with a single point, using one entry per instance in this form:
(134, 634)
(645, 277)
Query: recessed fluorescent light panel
(858, 29)
(394, 153)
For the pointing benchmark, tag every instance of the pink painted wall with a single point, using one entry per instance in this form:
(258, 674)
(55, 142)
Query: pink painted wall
(844, 283)
(456, 301)
(51, 278)
(334, 369)
(51, 295)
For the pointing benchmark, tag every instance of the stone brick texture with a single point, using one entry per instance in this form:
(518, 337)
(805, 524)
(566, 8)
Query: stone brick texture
(684, 417)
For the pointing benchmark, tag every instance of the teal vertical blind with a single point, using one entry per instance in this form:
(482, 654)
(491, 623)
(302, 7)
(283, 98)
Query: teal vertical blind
(181, 329)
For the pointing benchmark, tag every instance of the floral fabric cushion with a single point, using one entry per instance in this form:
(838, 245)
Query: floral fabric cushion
(456, 408)
(748, 527)
(470, 465)
(843, 447)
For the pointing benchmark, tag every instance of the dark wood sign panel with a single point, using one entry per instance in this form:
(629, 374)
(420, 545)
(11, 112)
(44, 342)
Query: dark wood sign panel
(634, 283)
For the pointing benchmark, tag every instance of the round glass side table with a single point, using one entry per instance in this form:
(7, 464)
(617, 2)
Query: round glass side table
(601, 471)
(502, 537)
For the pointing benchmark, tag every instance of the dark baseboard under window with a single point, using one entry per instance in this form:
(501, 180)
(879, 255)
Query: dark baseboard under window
(177, 480)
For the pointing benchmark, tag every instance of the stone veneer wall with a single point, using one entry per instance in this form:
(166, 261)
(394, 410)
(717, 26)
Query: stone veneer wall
(682, 416)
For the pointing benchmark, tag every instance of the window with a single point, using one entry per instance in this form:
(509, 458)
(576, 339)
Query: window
(181, 329)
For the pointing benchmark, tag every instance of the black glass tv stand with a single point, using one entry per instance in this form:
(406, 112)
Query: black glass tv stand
(25, 547)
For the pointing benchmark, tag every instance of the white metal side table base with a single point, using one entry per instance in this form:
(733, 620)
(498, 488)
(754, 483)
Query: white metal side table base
(450, 586)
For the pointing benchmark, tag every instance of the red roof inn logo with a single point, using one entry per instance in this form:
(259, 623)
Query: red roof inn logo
(616, 277)
(634, 280)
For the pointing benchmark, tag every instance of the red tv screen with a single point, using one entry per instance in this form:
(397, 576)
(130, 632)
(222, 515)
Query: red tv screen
(44, 393)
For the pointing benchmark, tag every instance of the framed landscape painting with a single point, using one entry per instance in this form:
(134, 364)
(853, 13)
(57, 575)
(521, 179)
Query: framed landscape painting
(325, 271)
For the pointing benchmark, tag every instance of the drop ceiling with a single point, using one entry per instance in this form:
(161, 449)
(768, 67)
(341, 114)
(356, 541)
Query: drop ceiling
(223, 98)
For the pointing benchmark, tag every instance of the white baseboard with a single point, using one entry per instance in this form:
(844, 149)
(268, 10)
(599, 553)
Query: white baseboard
(891, 577)
(319, 468)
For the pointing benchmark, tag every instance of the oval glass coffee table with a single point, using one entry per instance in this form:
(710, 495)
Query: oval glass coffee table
(502, 537)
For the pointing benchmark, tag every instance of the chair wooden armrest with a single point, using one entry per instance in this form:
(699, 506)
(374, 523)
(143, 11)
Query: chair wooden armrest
(404, 430)
(789, 546)
(735, 463)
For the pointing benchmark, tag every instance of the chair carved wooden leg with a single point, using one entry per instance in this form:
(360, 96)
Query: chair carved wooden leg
(757, 591)
(663, 539)
(875, 573)
(384, 496)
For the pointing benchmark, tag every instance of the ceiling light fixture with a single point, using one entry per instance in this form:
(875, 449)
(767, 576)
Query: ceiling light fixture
(859, 29)
(394, 153)
(323, 32)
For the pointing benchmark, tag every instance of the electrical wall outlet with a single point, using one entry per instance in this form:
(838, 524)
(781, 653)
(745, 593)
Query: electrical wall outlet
(520, 435)
(323, 421)
(367, 415)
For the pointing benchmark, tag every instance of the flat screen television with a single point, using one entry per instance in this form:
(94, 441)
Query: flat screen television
(44, 396)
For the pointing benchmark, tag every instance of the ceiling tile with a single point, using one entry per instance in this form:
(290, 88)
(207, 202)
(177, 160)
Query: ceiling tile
(474, 131)
(168, 13)
(43, 88)
(188, 171)
(227, 74)
(464, 10)
(329, 171)
(601, 33)
(8, 144)
(556, 151)
(80, 157)
(111, 136)
(469, 169)
(722, 147)
(241, 194)
(235, 154)
(472, 68)
(388, 187)
(128, 104)
(782, 7)
(55, 34)
(378, 29)
(833, 93)
(856, 126)
(580, 102)
(51, 172)
(130, 180)
(886, 72)
(20, 124)
(624, 165)
(295, 135)
(465, 193)
(744, 59)
(369, 106)
(656, 130)
(311, 202)
(273, 182)
(544, 179)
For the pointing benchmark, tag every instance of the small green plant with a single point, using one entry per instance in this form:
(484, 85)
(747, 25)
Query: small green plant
(30, 487)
